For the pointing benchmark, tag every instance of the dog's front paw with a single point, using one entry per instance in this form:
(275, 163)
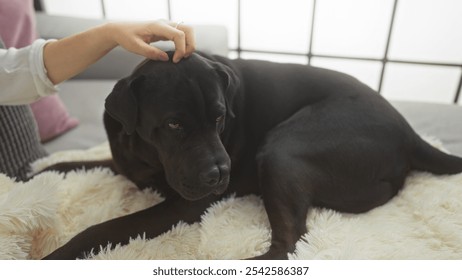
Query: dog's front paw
(64, 254)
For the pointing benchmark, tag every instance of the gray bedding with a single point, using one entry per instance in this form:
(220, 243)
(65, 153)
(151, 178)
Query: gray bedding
(437, 120)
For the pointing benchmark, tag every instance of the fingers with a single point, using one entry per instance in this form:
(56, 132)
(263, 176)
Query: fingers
(152, 52)
(183, 37)
(190, 38)
(136, 37)
(180, 46)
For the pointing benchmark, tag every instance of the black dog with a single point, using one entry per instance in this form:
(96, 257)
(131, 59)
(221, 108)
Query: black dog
(299, 136)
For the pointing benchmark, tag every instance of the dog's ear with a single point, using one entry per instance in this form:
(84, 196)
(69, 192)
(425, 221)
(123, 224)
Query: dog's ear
(231, 83)
(122, 103)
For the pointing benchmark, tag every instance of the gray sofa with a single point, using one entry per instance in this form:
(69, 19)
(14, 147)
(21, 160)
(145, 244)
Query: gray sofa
(84, 95)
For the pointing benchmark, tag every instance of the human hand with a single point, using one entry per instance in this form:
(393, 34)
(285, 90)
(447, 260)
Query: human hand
(136, 37)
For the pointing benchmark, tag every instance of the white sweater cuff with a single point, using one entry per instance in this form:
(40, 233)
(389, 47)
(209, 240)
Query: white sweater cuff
(37, 67)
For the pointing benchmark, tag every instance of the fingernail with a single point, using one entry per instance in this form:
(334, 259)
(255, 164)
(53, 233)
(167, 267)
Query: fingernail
(164, 57)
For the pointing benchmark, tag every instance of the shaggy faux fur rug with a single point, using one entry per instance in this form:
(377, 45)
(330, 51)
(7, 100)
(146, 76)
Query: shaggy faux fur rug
(423, 222)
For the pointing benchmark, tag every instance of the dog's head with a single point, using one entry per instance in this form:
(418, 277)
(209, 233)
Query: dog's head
(181, 110)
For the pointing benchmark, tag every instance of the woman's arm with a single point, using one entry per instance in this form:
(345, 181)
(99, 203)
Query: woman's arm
(69, 56)
(23, 78)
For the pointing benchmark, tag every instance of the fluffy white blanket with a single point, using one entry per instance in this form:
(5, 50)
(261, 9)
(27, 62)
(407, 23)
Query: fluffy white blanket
(423, 222)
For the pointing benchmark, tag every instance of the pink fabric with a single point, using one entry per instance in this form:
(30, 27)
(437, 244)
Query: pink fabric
(17, 23)
(18, 29)
(52, 117)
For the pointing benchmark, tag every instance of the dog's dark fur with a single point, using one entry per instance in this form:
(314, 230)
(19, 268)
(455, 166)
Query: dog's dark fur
(299, 136)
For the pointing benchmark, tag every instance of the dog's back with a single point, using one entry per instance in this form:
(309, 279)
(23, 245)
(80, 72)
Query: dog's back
(276, 91)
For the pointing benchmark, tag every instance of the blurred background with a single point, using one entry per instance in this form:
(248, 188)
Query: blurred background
(405, 49)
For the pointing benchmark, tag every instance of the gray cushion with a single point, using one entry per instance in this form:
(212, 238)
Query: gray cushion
(19, 141)
(85, 101)
(439, 120)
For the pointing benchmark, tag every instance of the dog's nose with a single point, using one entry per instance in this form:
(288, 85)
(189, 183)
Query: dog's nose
(210, 177)
(214, 176)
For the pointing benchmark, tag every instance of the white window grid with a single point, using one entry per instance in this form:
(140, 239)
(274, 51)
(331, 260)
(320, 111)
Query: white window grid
(310, 55)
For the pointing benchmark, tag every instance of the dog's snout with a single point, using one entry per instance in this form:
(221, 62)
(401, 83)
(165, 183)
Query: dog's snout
(210, 177)
(214, 175)
(224, 172)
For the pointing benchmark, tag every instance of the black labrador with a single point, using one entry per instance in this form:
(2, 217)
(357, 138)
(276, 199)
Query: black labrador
(298, 136)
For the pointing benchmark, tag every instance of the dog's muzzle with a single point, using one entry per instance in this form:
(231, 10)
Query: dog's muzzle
(213, 180)
(214, 176)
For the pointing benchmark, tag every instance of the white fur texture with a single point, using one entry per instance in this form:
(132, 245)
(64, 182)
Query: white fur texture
(423, 222)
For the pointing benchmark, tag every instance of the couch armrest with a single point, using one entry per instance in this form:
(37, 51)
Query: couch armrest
(119, 63)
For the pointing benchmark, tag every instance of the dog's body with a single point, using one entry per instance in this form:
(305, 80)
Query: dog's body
(298, 136)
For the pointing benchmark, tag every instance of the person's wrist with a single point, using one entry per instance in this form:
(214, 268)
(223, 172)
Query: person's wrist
(109, 33)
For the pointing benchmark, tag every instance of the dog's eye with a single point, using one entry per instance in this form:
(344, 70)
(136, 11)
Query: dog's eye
(175, 125)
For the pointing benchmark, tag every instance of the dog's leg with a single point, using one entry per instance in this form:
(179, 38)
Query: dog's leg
(287, 212)
(287, 200)
(152, 221)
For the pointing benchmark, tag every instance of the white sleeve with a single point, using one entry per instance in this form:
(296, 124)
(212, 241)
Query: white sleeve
(23, 77)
